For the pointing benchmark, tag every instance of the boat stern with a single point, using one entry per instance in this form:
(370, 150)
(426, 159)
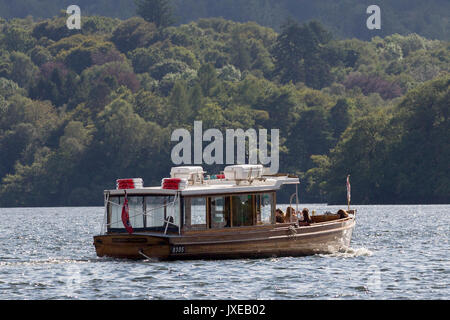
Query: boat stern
(131, 246)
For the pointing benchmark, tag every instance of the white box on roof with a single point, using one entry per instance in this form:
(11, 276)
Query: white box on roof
(243, 171)
(186, 172)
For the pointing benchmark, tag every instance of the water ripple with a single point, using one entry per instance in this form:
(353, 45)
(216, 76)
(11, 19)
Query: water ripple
(47, 253)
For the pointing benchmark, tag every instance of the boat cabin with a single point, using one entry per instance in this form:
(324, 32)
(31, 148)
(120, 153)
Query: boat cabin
(190, 201)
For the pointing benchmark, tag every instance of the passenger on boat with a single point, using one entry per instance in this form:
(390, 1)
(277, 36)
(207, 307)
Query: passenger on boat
(342, 214)
(291, 215)
(306, 218)
(279, 216)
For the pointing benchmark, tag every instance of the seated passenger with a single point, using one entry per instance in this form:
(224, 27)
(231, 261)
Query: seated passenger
(279, 216)
(306, 219)
(291, 215)
(342, 214)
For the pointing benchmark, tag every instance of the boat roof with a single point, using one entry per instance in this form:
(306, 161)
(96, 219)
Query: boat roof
(216, 186)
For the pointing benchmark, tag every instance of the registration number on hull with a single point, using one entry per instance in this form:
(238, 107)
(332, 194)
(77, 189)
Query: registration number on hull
(177, 249)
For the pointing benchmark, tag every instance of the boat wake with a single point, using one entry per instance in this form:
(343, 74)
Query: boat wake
(350, 252)
(43, 262)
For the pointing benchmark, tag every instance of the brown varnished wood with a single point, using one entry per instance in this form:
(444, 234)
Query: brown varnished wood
(128, 246)
(324, 218)
(240, 242)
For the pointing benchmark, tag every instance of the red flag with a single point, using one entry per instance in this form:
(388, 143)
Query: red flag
(126, 216)
(348, 189)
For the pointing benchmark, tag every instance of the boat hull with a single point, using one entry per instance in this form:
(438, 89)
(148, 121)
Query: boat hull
(234, 243)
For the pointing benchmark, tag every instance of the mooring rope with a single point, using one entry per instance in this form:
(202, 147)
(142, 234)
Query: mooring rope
(292, 231)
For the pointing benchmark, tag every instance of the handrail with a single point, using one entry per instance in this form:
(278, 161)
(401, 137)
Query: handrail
(103, 227)
(290, 200)
(296, 198)
(167, 222)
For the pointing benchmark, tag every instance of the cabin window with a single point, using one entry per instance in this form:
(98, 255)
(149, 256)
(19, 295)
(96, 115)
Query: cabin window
(220, 212)
(173, 210)
(198, 211)
(243, 208)
(195, 213)
(115, 219)
(136, 211)
(159, 208)
(154, 208)
(147, 212)
(266, 201)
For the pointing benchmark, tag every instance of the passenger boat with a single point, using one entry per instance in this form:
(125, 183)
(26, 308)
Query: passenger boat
(230, 215)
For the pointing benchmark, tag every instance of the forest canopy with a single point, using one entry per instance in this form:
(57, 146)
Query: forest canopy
(344, 18)
(81, 108)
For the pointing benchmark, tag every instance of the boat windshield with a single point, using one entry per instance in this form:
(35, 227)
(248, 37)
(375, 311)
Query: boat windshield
(147, 213)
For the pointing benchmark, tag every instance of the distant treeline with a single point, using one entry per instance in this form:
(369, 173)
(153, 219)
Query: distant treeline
(79, 109)
(345, 18)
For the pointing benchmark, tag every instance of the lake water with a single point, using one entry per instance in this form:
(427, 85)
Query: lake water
(397, 252)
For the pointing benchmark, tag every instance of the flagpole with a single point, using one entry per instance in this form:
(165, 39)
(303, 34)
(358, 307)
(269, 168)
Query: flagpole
(348, 192)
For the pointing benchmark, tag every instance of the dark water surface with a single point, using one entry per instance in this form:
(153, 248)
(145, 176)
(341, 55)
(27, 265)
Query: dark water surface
(397, 252)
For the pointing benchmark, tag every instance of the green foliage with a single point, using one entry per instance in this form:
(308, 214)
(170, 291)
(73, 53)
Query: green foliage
(207, 78)
(133, 33)
(16, 37)
(398, 158)
(160, 12)
(179, 104)
(79, 109)
(40, 55)
(55, 29)
(161, 69)
(427, 18)
(341, 116)
(300, 56)
(19, 68)
(9, 88)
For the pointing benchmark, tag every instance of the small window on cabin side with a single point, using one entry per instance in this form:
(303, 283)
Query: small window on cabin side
(242, 210)
(195, 213)
(220, 212)
(266, 201)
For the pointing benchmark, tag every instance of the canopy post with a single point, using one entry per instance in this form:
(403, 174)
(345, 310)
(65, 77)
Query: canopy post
(105, 217)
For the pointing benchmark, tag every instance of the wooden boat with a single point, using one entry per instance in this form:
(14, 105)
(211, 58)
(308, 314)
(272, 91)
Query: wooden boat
(226, 216)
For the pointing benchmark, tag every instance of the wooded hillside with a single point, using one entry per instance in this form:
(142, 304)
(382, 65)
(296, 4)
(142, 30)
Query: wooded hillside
(79, 109)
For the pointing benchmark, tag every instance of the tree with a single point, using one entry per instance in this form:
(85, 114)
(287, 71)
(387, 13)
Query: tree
(160, 12)
(179, 103)
(207, 77)
(113, 92)
(363, 153)
(196, 98)
(288, 53)
(23, 71)
(422, 154)
(15, 38)
(311, 135)
(299, 52)
(341, 116)
(133, 33)
(241, 54)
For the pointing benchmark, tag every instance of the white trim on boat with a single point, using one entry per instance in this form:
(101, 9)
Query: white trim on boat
(214, 187)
